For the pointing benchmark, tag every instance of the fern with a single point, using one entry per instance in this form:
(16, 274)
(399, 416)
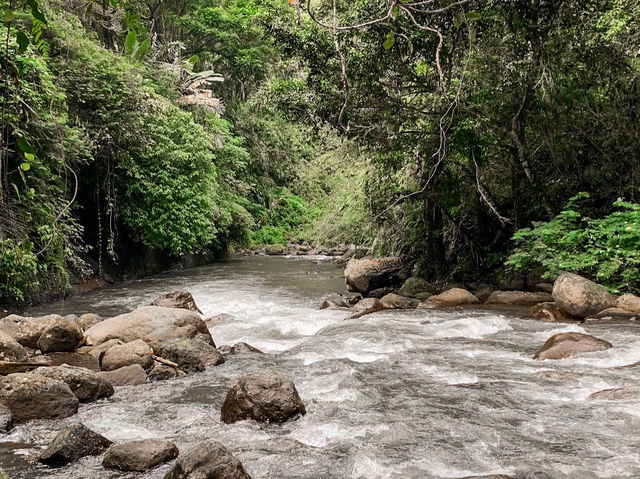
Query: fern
(606, 250)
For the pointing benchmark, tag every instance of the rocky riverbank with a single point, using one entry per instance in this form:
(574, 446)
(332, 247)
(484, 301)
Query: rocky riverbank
(165, 340)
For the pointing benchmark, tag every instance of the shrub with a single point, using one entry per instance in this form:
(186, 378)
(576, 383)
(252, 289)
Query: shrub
(606, 250)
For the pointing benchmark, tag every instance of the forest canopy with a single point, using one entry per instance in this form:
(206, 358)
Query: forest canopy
(434, 130)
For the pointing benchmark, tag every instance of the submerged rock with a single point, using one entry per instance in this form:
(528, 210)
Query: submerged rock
(86, 385)
(177, 299)
(33, 396)
(364, 275)
(366, 306)
(150, 324)
(139, 455)
(11, 350)
(162, 372)
(339, 303)
(218, 319)
(395, 301)
(450, 298)
(565, 345)
(208, 460)
(135, 352)
(610, 314)
(548, 312)
(580, 297)
(264, 396)
(518, 298)
(63, 336)
(127, 376)
(613, 394)
(244, 348)
(71, 443)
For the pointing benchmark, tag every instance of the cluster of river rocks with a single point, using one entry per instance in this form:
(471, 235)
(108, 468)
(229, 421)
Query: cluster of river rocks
(378, 284)
(164, 340)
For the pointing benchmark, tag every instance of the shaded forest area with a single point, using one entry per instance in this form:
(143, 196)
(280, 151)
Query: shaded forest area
(136, 131)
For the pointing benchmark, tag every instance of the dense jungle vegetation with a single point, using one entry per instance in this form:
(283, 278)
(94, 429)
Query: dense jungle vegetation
(433, 129)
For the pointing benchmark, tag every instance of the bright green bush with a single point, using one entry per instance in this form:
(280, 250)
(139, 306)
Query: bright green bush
(18, 269)
(287, 213)
(170, 184)
(606, 250)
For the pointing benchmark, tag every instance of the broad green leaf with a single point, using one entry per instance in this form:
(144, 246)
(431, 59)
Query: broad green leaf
(35, 11)
(25, 146)
(142, 49)
(25, 166)
(29, 156)
(23, 41)
(193, 60)
(130, 42)
(473, 16)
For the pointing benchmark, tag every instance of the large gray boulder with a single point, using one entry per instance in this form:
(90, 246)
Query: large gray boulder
(366, 306)
(579, 297)
(364, 275)
(85, 384)
(264, 396)
(150, 324)
(183, 352)
(135, 352)
(10, 349)
(566, 345)
(61, 337)
(177, 299)
(71, 443)
(208, 460)
(139, 455)
(33, 396)
(27, 330)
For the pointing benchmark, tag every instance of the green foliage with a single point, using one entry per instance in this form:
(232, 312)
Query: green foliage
(18, 269)
(606, 249)
(169, 191)
(287, 213)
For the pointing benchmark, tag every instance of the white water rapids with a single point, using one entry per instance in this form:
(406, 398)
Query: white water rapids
(417, 394)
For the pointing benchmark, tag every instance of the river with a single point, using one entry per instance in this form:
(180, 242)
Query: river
(397, 394)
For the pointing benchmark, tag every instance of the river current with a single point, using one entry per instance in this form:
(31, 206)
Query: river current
(396, 394)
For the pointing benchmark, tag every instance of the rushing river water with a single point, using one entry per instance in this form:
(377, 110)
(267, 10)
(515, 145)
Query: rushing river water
(414, 394)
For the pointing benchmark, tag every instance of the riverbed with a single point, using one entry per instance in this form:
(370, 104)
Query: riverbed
(396, 394)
